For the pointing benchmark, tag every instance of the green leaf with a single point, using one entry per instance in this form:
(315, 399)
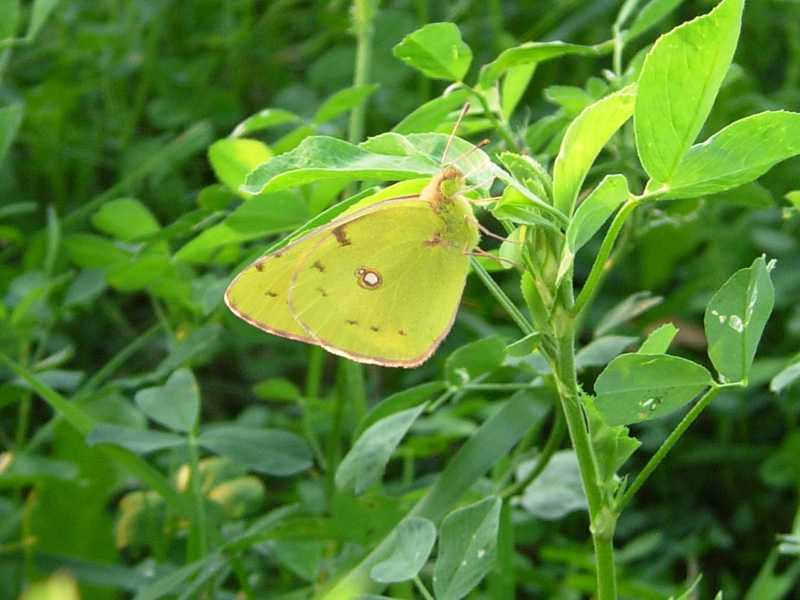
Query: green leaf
(679, 81)
(258, 217)
(139, 272)
(93, 251)
(582, 142)
(558, 489)
(264, 119)
(232, 159)
(365, 463)
(738, 154)
(650, 15)
(786, 377)
(514, 85)
(415, 539)
(9, 19)
(125, 219)
(659, 340)
(593, 212)
(432, 114)
(343, 101)
(467, 549)
(270, 451)
(473, 360)
(403, 400)
(140, 441)
(325, 158)
(525, 346)
(41, 10)
(735, 319)
(639, 387)
(527, 54)
(437, 50)
(10, 119)
(175, 405)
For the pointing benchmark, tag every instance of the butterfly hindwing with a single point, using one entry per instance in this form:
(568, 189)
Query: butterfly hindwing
(384, 287)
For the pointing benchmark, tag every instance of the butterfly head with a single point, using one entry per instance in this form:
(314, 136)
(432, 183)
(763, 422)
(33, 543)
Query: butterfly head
(443, 187)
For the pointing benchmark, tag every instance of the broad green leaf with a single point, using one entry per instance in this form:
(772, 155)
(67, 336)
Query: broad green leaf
(558, 489)
(525, 346)
(87, 286)
(437, 50)
(679, 81)
(738, 154)
(41, 10)
(278, 389)
(232, 159)
(325, 158)
(527, 54)
(659, 340)
(270, 117)
(582, 142)
(415, 539)
(613, 446)
(9, 19)
(258, 217)
(269, 451)
(201, 342)
(513, 87)
(467, 549)
(650, 15)
(639, 387)
(125, 219)
(93, 251)
(140, 441)
(599, 352)
(366, 461)
(735, 319)
(10, 119)
(400, 401)
(432, 114)
(175, 405)
(593, 212)
(342, 101)
(785, 378)
(794, 198)
(139, 272)
(473, 360)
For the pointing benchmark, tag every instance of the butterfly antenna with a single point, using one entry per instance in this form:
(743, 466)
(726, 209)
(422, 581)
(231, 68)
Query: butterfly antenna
(498, 259)
(452, 135)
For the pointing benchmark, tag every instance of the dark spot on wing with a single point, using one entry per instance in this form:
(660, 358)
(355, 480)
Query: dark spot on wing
(322, 292)
(351, 322)
(374, 328)
(271, 294)
(259, 266)
(401, 332)
(318, 266)
(341, 236)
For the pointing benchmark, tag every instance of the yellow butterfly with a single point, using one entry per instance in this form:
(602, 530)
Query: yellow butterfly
(378, 285)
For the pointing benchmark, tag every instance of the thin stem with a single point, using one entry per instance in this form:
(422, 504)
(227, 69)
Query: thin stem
(673, 437)
(504, 300)
(422, 589)
(363, 14)
(552, 444)
(198, 527)
(602, 256)
(499, 126)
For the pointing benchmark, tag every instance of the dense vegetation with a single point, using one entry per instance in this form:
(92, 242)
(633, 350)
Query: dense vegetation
(155, 446)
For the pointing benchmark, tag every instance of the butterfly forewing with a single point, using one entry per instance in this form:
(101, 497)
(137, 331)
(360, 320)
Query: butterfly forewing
(383, 287)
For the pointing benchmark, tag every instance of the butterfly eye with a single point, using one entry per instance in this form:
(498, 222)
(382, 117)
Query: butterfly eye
(368, 279)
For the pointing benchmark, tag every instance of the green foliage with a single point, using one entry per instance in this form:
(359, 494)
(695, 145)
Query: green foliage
(619, 411)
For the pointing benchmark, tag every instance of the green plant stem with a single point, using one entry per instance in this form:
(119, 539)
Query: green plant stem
(363, 12)
(501, 297)
(602, 521)
(602, 256)
(198, 527)
(499, 126)
(673, 437)
(422, 589)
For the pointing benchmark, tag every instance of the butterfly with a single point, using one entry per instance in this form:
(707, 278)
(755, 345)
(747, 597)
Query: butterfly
(378, 285)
